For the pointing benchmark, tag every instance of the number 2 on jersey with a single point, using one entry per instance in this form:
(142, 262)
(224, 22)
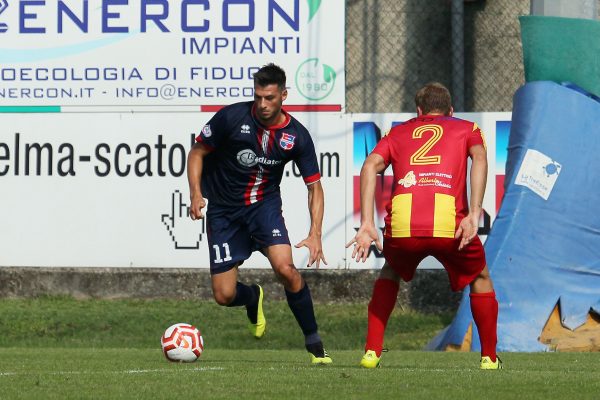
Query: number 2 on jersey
(420, 156)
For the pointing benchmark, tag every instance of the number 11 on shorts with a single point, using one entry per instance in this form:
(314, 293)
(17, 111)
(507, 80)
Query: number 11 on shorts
(218, 258)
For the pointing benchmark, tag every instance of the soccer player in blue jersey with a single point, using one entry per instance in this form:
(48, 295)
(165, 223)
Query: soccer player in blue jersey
(237, 164)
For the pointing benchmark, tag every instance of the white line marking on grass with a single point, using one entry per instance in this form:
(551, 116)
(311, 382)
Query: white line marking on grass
(130, 371)
(145, 371)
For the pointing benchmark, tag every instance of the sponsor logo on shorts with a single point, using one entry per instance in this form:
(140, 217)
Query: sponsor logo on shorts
(276, 233)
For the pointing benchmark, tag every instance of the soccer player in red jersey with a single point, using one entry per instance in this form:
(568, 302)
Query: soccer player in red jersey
(428, 215)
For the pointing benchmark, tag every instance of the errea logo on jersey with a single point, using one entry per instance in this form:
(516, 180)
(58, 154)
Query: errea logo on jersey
(245, 129)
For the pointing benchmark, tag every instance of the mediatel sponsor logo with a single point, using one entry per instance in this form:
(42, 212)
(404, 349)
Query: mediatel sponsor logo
(248, 158)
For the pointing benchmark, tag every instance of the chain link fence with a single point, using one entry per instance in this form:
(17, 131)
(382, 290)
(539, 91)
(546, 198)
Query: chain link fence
(393, 47)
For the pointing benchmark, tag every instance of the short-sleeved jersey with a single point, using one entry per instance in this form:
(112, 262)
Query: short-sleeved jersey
(247, 160)
(429, 156)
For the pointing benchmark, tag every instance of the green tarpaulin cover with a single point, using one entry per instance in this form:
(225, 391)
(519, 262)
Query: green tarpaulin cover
(562, 50)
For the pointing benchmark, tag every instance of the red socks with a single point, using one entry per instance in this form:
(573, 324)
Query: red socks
(484, 308)
(383, 300)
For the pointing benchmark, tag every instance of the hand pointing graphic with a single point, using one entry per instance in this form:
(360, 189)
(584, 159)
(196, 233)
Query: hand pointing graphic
(184, 232)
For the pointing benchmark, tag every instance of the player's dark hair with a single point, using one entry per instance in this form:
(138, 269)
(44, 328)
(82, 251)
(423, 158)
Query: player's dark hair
(434, 97)
(270, 74)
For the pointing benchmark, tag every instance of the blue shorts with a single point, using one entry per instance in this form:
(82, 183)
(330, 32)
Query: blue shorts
(234, 233)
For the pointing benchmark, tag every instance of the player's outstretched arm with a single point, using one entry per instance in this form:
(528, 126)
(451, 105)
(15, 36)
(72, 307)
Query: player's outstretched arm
(194, 173)
(469, 226)
(316, 202)
(367, 233)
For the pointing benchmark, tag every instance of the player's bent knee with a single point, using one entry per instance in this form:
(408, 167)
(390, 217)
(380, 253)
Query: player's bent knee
(288, 275)
(224, 298)
(387, 272)
(286, 271)
(482, 284)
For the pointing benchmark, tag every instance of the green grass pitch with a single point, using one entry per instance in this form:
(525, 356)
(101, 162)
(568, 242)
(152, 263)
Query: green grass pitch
(57, 373)
(67, 349)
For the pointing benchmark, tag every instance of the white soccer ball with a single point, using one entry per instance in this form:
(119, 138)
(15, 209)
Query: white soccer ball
(182, 343)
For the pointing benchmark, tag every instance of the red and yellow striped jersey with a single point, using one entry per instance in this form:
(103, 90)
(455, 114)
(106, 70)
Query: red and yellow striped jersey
(429, 156)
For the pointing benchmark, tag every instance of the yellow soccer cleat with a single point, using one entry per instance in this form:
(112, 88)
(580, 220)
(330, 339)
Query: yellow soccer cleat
(258, 330)
(370, 360)
(318, 355)
(487, 363)
(320, 360)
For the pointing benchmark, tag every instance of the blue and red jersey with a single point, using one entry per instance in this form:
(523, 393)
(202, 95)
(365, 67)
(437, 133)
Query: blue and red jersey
(247, 160)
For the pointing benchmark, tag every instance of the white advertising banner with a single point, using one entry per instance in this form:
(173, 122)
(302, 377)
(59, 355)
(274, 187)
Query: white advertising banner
(110, 189)
(99, 55)
(100, 101)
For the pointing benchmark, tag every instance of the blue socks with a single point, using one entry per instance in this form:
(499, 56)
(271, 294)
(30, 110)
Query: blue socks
(302, 307)
(300, 303)
(246, 296)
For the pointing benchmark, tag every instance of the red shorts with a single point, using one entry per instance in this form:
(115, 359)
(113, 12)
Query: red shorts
(405, 254)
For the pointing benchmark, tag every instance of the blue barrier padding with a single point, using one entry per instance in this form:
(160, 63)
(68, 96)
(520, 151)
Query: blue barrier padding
(544, 251)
